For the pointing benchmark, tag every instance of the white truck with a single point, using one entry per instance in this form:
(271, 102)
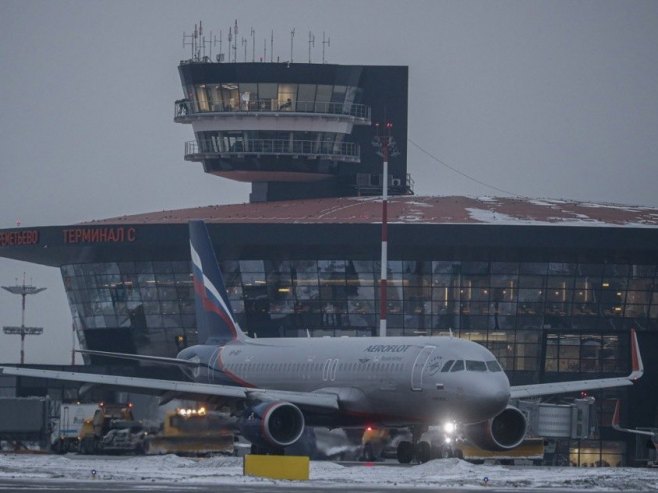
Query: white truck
(65, 436)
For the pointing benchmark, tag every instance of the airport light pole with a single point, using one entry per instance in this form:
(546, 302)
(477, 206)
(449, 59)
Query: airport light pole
(386, 145)
(24, 290)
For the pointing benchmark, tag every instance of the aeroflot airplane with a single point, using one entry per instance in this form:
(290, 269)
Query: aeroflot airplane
(278, 386)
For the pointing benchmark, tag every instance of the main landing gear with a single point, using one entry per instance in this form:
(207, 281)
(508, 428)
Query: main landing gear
(407, 451)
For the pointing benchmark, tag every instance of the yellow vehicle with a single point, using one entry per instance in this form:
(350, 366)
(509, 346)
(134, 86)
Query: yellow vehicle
(192, 432)
(112, 429)
(380, 443)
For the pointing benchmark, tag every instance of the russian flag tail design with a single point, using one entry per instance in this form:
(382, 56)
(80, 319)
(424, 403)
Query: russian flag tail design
(214, 317)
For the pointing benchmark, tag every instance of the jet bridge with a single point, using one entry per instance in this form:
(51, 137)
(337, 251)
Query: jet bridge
(574, 421)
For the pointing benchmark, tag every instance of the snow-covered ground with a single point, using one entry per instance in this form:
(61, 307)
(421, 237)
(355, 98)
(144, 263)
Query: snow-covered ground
(446, 473)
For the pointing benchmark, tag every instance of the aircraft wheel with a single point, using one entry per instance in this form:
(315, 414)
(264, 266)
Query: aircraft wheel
(405, 452)
(423, 452)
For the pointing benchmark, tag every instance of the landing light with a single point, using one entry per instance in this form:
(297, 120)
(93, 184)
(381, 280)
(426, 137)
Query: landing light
(449, 427)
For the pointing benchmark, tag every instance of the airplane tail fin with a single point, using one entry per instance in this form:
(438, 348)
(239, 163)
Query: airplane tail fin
(214, 317)
(636, 358)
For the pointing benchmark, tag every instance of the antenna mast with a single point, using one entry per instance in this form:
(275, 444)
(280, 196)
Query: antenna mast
(272, 46)
(230, 38)
(253, 45)
(220, 55)
(193, 41)
(292, 36)
(235, 44)
(244, 43)
(311, 42)
(326, 43)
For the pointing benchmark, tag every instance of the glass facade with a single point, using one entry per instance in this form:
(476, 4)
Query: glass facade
(276, 142)
(535, 317)
(272, 96)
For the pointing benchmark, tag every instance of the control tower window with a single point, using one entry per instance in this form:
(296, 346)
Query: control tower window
(215, 98)
(338, 95)
(323, 98)
(267, 96)
(287, 97)
(306, 97)
(248, 96)
(230, 96)
(202, 98)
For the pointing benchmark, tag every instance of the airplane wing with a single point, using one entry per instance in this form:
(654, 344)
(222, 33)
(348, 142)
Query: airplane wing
(318, 401)
(616, 426)
(160, 360)
(536, 390)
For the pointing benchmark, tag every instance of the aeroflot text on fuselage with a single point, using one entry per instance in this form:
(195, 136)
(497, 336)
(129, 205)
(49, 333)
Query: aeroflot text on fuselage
(387, 348)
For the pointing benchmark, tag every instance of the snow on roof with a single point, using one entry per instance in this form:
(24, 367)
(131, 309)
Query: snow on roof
(412, 209)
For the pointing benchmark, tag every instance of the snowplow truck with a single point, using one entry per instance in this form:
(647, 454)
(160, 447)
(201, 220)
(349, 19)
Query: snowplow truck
(193, 432)
(112, 430)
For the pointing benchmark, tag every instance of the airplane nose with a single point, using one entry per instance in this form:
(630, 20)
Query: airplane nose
(489, 398)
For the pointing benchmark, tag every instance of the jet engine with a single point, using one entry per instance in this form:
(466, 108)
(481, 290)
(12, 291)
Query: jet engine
(502, 432)
(272, 424)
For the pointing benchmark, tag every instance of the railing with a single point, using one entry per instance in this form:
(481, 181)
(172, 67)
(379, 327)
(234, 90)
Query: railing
(344, 151)
(184, 108)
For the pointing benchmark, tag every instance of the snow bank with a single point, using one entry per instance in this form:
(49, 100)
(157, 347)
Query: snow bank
(446, 473)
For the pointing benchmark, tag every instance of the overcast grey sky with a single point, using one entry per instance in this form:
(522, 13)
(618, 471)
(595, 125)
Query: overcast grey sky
(553, 99)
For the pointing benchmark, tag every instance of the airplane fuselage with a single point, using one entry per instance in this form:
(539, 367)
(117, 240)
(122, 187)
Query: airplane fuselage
(397, 380)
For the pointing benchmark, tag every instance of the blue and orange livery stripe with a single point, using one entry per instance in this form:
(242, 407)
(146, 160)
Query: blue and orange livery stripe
(212, 305)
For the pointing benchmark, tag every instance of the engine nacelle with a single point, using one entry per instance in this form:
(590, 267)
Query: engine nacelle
(277, 424)
(503, 432)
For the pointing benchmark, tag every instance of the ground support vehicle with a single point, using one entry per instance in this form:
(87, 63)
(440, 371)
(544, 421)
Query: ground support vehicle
(65, 436)
(192, 432)
(112, 429)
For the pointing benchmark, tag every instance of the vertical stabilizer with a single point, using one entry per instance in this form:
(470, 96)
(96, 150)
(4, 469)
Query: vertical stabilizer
(214, 317)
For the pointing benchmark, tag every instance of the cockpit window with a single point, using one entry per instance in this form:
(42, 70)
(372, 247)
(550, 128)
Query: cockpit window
(447, 366)
(494, 366)
(475, 365)
(458, 366)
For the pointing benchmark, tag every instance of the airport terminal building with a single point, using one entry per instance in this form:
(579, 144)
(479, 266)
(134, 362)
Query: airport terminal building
(551, 287)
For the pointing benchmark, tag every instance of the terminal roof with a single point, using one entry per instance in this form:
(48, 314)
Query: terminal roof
(410, 210)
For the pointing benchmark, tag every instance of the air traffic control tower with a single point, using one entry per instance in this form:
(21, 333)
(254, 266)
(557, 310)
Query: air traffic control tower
(295, 130)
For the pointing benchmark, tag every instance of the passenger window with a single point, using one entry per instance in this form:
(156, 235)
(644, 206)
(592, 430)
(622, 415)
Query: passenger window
(494, 366)
(458, 366)
(447, 366)
(475, 365)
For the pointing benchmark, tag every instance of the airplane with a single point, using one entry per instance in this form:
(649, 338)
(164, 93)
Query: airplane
(276, 387)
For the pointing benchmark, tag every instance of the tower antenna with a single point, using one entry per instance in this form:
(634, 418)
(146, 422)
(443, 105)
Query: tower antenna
(311, 42)
(235, 43)
(292, 36)
(193, 42)
(244, 43)
(220, 55)
(326, 43)
(253, 45)
(272, 46)
(230, 38)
